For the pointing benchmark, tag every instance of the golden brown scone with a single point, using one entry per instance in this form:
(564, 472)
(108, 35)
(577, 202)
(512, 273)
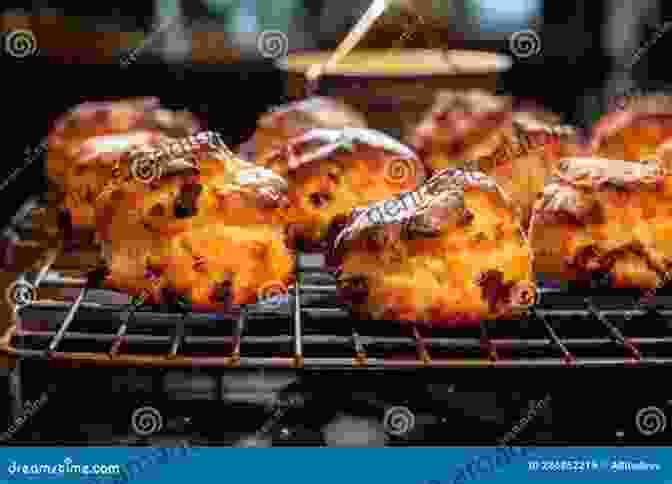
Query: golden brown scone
(478, 130)
(474, 125)
(149, 171)
(330, 172)
(212, 239)
(523, 162)
(92, 119)
(277, 127)
(87, 141)
(663, 156)
(451, 253)
(462, 126)
(599, 216)
(115, 158)
(636, 131)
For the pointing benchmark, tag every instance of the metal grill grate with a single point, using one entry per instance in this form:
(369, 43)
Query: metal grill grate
(311, 329)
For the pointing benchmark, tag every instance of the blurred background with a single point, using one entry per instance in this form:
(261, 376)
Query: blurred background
(208, 61)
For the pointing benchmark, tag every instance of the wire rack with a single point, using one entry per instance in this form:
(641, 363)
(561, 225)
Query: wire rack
(311, 329)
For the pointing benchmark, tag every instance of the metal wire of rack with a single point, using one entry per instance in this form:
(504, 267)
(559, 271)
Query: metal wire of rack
(311, 329)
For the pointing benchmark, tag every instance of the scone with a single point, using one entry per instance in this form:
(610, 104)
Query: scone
(600, 217)
(523, 162)
(86, 143)
(663, 156)
(277, 127)
(635, 132)
(480, 131)
(211, 240)
(462, 126)
(330, 172)
(451, 253)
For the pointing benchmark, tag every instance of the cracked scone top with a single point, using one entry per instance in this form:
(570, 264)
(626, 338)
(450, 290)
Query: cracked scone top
(604, 217)
(450, 253)
(213, 236)
(276, 127)
(139, 156)
(480, 131)
(461, 126)
(330, 172)
(88, 142)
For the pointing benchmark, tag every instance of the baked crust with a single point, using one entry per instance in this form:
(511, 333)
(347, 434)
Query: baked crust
(479, 131)
(117, 159)
(599, 216)
(86, 143)
(454, 254)
(462, 126)
(278, 126)
(331, 172)
(636, 131)
(212, 238)
(523, 162)
(663, 156)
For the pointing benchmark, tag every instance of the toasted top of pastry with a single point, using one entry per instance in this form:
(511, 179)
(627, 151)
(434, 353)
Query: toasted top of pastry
(571, 193)
(435, 206)
(313, 112)
(601, 174)
(460, 118)
(648, 111)
(92, 119)
(170, 192)
(323, 144)
(282, 123)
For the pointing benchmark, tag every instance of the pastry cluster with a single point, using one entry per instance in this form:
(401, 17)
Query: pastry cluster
(452, 228)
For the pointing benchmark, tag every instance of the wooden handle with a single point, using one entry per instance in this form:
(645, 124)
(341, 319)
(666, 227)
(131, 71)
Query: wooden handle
(376, 9)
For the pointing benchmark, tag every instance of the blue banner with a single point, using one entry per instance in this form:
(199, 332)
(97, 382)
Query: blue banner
(337, 466)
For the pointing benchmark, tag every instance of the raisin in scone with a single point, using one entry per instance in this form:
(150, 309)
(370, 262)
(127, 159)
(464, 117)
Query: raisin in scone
(330, 172)
(92, 119)
(279, 125)
(87, 144)
(600, 216)
(451, 253)
(213, 240)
